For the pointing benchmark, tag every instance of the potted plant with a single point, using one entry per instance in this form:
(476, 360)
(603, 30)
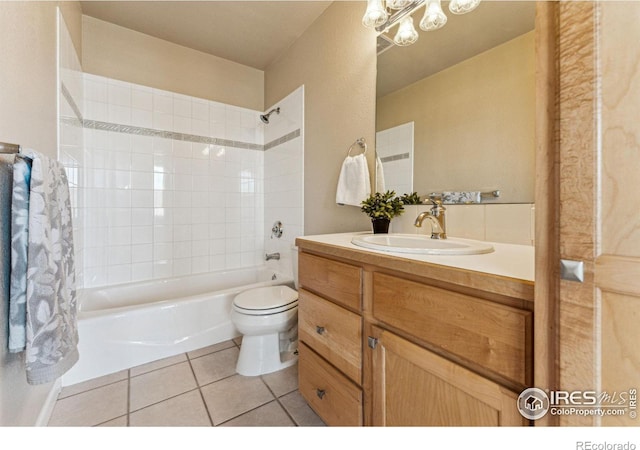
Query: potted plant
(381, 208)
(411, 199)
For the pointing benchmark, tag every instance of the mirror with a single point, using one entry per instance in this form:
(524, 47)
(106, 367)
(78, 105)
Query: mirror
(467, 91)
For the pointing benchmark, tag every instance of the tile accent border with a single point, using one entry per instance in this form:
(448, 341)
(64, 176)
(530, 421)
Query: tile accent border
(141, 131)
(395, 157)
(286, 138)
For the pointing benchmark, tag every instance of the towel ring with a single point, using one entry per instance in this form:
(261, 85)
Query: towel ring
(362, 143)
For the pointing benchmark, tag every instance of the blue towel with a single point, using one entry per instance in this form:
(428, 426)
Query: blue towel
(19, 239)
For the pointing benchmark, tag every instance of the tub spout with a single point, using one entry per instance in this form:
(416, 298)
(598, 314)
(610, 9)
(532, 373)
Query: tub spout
(269, 256)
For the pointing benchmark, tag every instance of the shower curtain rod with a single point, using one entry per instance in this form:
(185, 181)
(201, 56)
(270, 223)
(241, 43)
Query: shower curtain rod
(9, 148)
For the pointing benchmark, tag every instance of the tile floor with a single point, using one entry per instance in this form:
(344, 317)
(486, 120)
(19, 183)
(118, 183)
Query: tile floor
(199, 388)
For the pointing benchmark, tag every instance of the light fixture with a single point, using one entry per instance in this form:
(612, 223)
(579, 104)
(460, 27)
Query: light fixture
(433, 17)
(375, 15)
(463, 6)
(406, 34)
(384, 14)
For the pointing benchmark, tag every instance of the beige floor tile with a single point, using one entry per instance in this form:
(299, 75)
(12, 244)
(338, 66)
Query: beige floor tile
(238, 340)
(211, 349)
(269, 415)
(233, 396)
(283, 381)
(160, 384)
(159, 364)
(118, 422)
(298, 408)
(216, 366)
(91, 407)
(92, 384)
(186, 410)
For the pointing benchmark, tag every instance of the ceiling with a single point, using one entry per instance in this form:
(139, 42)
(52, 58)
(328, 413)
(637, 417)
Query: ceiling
(256, 33)
(490, 24)
(253, 33)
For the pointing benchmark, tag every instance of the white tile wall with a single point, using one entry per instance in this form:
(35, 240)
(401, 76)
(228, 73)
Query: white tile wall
(158, 207)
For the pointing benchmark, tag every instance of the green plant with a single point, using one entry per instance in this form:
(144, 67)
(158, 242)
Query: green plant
(411, 199)
(382, 206)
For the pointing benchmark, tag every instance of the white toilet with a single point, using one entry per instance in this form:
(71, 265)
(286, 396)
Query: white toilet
(267, 317)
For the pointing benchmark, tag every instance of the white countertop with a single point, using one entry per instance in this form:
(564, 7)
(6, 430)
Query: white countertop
(508, 260)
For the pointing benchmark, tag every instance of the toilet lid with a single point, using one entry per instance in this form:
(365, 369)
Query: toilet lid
(266, 298)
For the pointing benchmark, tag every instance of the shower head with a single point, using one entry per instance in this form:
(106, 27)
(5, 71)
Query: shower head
(265, 117)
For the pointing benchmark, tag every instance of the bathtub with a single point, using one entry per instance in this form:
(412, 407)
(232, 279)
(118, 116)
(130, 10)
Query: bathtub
(130, 324)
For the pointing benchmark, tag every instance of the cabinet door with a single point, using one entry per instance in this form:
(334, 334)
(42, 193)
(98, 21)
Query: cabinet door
(415, 387)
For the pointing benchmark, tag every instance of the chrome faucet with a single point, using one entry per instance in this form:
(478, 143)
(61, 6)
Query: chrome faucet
(275, 256)
(435, 215)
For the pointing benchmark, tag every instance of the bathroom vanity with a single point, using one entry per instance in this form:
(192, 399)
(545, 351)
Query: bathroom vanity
(400, 339)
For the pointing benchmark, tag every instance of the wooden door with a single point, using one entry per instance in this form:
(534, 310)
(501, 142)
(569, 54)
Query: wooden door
(592, 327)
(415, 387)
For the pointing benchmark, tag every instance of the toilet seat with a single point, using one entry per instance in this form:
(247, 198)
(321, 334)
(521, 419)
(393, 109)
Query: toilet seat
(265, 300)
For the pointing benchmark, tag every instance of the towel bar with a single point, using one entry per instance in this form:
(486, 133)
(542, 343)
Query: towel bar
(9, 148)
(362, 143)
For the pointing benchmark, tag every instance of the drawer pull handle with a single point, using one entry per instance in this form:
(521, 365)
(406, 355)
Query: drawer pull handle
(320, 393)
(320, 330)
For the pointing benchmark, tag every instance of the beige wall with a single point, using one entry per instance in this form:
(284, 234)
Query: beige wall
(116, 52)
(335, 59)
(28, 76)
(474, 123)
(28, 117)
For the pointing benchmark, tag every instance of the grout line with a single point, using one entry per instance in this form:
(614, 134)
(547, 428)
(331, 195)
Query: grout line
(210, 353)
(277, 399)
(164, 400)
(158, 368)
(128, 397)
(106, 421)
(91, 389)
(247, 412)
(206, 407)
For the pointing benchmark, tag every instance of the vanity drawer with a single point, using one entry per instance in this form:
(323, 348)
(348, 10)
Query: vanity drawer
(332, 331)
(336, 399)
(495, 336)
(332, 279)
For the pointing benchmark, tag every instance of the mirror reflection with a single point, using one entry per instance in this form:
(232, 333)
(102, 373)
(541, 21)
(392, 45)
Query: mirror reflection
(456, 110)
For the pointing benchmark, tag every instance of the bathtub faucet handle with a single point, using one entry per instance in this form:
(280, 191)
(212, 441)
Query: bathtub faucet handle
(275, 256)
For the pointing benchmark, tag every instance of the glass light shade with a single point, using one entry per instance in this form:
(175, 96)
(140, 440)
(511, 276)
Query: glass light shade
(375, 15)
(463, 6)
(406, 34)
(433, 17)
(398, 4)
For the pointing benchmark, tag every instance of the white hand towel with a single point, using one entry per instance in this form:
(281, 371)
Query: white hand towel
(354, 184)
(379, 176)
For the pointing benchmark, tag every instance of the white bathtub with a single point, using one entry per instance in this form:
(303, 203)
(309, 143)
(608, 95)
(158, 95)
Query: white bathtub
(131, 324)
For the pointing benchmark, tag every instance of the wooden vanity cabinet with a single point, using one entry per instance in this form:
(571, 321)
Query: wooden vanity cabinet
(387, 348)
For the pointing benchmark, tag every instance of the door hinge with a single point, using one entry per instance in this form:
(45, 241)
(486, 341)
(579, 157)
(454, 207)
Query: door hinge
(372, 342)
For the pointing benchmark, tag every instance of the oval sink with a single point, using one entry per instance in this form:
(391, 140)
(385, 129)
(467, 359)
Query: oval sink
(421, 244)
